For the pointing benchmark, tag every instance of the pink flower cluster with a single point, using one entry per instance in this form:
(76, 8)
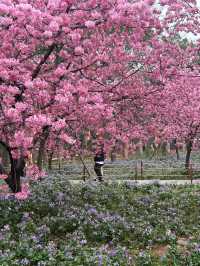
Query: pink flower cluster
(34, 173)
(3, 176)
(24, 194)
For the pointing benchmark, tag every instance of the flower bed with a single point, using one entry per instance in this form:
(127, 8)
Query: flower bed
(99, 224)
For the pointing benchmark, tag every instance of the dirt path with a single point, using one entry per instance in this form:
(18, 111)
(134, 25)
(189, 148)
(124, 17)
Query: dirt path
(143, 182)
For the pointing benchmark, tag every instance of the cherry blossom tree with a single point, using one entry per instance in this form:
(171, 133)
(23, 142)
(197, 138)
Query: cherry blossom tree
(174, 110)
(61, 64)
(67, 67)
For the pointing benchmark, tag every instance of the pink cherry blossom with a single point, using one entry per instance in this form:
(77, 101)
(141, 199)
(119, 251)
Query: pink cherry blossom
(3, 177)
(79, 50)
(22, 195)
(90, 24)
(115, 67)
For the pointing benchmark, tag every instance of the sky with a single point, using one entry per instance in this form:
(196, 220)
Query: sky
(189, 36)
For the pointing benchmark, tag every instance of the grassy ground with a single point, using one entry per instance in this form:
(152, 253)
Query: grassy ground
(101, 225)
(166, 168)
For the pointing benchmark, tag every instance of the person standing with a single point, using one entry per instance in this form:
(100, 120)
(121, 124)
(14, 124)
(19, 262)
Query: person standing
(99, 163)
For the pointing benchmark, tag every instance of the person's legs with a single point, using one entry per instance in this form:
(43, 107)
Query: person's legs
(95, 169)
(98, 171)
(101, 173)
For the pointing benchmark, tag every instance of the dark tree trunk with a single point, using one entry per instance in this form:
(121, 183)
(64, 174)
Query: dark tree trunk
(113, 156)
(177, 153)
(156, 149)
(42, 147)
(14, 182)
(50, 157)
(17, 170)
(14, 177)
(164, 148)
(40, 154)
(188, 153)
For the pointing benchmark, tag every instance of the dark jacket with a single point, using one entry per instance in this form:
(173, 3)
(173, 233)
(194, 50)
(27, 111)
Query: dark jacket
(99, 157)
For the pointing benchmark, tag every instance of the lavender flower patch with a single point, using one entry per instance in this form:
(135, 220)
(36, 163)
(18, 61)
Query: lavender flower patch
(100, 224)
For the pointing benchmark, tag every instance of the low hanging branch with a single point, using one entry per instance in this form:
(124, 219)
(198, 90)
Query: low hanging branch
(43, 61)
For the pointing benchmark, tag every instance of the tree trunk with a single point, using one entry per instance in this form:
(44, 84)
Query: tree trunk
(113, 155)
(164, 148)
(40, 157)
(17, 170)
(177, 153)
(188, 153)
(50, 157)
(42, 148)
(14, 182)
(125, 150)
